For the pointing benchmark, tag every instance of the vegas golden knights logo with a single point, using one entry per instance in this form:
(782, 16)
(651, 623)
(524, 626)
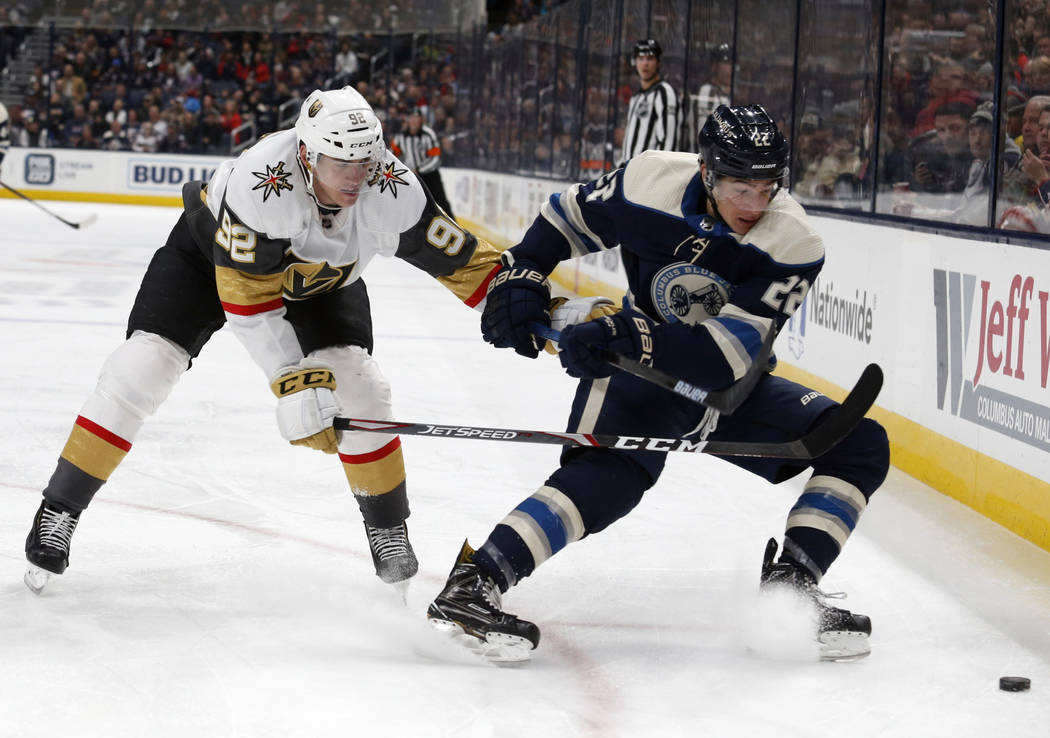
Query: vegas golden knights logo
(305, 279)
(315, 108)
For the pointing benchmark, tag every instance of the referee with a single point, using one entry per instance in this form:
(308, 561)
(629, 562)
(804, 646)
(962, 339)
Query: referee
(652, 116)
(418, 148)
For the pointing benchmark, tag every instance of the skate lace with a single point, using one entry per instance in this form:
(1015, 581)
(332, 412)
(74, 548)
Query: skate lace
(56, 529)
(490, 591)
(388, 543)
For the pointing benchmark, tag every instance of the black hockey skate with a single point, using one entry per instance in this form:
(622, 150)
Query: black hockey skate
(469, 605)
(392, 553)
(842, 635)
(47, 545)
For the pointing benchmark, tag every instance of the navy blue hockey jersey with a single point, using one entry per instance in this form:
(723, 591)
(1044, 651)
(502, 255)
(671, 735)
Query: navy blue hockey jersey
(715, 293)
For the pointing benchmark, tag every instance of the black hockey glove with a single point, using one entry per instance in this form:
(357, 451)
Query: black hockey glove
(518, 295)
(628, 333)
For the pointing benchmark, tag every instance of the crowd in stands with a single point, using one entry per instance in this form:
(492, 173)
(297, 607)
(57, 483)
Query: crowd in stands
(132, 76)
(937, 120)
(153, 86)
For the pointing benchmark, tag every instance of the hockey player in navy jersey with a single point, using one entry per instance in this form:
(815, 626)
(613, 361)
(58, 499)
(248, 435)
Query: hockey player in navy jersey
(274, 245)
(715, 257)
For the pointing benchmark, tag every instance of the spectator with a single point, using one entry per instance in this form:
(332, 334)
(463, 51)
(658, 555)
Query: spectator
(146, 140)
(1030, 121)
(652, 114)
(972, 209)
(173, 141)
(115, 139)
(941, 158)
(210, 134)
(948, 84)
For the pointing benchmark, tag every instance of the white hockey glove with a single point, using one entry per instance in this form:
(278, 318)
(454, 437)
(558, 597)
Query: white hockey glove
(577, 310)
(306, 405)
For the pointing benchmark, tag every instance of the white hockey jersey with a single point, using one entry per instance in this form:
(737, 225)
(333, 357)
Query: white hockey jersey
(272, 242)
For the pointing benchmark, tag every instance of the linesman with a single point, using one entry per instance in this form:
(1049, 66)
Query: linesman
(417, 145)
(652, 115)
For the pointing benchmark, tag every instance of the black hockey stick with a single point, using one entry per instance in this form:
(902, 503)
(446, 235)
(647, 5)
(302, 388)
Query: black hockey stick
(724, 401)
(71, 223)
(832, 428)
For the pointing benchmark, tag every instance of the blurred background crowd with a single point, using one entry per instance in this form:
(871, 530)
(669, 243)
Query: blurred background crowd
(927, 109)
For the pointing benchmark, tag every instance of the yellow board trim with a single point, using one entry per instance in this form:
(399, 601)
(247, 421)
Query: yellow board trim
(1017, 501)
(163, 200)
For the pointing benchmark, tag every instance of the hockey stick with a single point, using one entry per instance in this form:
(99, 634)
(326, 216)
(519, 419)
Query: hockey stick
(724, 401)
(825, 435)
(71, 223)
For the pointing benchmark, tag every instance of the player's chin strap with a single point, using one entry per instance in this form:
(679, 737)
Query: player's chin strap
(724, 401)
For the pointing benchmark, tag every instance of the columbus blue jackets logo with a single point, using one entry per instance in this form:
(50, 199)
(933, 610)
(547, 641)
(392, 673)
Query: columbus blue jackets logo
(273, 180)
(388, 178)
(688, 293)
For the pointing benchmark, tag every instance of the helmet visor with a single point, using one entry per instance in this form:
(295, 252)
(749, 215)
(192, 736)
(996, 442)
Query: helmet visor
(752, 195)
(342, 176)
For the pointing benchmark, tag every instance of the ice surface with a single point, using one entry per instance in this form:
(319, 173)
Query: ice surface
(221, 584)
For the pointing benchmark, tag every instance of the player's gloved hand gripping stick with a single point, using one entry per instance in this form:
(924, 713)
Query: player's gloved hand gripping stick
(825, 435)
(724, 401)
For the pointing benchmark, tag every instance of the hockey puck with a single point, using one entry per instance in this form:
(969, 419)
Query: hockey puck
(1014, 684)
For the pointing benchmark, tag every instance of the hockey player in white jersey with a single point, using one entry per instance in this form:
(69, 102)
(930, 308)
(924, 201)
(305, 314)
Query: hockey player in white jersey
(275, 245)
(716, 256)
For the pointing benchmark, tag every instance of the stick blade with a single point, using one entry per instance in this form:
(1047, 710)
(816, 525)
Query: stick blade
(843, 419)
(86, 221)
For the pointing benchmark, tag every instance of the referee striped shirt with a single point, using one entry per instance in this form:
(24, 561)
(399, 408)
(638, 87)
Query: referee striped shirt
(652, 121)
(420, 152)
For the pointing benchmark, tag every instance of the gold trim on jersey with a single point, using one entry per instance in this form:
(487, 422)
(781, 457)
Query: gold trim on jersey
(465, 281)
(240, 288)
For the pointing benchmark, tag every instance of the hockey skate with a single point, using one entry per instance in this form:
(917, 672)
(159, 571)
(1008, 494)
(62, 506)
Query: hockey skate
(469, 607)
(47, 546)
(392, 554)
(841, 634)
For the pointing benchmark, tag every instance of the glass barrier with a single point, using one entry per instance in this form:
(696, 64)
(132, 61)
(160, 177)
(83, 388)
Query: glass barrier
(922, 111)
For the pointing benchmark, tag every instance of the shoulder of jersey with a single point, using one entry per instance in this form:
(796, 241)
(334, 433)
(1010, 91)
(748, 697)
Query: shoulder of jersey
(786, 233)
(267, 188)
(657, 180)
(395, 199)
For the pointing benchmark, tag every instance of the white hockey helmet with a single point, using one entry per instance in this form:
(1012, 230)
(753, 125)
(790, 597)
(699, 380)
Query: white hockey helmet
(339, 124)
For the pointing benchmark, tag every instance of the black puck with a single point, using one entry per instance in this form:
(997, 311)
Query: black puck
(1015, 684)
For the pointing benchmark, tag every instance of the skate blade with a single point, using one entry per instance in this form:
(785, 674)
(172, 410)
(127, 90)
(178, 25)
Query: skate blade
(36, 578)
(839, 645)
(501, 649)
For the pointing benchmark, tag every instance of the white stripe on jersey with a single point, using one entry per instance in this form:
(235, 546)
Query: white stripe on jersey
(652, 121)
(414, 149)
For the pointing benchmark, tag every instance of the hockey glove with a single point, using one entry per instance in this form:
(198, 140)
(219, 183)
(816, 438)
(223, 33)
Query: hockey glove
(565, 312)
(518, 295)
(305, 407)
(628, 333)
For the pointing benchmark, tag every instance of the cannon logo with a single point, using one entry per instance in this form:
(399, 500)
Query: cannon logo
(993, 339)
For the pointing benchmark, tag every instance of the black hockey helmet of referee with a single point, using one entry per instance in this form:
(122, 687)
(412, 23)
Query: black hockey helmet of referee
(647, 47)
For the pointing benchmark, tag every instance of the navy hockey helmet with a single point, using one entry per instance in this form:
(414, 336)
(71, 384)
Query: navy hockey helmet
(743, 142)
(647, 47)
(721, 53)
